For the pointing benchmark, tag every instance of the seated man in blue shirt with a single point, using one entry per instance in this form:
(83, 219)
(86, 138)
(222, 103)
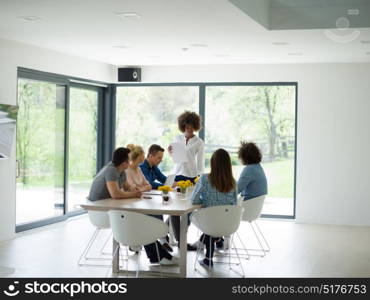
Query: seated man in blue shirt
(150, 167)
(156, 178)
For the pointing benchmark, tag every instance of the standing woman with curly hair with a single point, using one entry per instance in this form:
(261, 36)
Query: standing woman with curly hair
(189, 123)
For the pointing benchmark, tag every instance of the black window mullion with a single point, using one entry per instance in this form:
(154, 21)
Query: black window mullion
(66, 148)
(202, 110)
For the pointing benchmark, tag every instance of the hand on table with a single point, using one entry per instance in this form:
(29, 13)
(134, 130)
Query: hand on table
(137, 194)
(146, 188)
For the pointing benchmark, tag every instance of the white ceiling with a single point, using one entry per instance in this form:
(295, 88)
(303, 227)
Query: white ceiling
(91, 29)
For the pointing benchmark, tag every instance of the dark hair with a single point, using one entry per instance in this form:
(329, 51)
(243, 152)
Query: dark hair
(221, 175)
(249, 153)
(189, 118)
(120, 155)
(153, 149)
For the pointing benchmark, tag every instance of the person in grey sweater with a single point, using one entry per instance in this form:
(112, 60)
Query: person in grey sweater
(252, 182)
(111, 181)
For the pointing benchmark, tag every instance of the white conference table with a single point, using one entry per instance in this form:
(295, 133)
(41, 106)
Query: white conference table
(177, 206)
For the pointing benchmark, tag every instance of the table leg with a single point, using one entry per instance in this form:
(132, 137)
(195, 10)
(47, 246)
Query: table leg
(115, 254)
(183, 244)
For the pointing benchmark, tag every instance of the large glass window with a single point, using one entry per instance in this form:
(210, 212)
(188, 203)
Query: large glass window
(40, 150)
(82, 146)
(148, 115)
(42, 144)
(266, 116)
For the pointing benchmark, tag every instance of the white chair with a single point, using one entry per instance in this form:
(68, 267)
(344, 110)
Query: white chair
(125, 227)
(100, 220)
(218, 221)
(252, 211)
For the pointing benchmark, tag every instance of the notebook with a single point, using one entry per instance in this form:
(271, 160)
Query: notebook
(152, 193)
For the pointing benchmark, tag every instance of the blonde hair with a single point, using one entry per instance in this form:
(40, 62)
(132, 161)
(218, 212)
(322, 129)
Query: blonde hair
(135, 151)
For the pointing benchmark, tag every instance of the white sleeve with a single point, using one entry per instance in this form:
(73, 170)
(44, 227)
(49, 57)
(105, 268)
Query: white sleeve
(178, 138)
(200, 158)
(176, 166)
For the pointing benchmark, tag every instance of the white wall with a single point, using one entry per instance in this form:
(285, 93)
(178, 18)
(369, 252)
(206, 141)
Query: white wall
(333, 151)
(13, 55)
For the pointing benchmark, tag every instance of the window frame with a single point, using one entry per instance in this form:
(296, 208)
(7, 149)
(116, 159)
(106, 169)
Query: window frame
(104, 95)
(106, 124)
(202, 105)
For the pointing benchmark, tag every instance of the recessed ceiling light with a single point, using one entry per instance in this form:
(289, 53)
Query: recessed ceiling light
(280, 43)
(222, 55)
(353, 12)
(128, 15)
(29, 18)
(365, 42)
(295, 54)
(121, 46)
(199, 45)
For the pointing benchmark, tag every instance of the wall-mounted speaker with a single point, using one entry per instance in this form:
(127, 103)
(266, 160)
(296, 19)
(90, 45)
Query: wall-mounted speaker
(129, 74)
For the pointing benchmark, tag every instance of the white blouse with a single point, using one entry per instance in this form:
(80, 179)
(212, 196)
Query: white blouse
(195, 157)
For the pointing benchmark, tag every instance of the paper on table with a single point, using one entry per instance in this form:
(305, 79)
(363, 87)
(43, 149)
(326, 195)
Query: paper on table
(178, 153)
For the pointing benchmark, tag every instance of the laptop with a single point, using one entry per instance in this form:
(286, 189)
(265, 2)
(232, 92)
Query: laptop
(169, 181)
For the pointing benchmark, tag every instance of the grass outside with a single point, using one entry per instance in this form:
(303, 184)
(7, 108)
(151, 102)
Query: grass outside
(280, 177)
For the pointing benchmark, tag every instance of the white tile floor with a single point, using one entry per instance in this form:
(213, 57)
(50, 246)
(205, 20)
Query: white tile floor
(297, 250)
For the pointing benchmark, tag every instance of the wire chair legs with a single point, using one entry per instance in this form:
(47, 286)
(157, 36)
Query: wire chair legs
(264, 246)
(84, 258)
(267, 249)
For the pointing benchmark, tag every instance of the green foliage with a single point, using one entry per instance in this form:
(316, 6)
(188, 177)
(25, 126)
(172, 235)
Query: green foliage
(10, 109)
(83, 112)
(36, 129)
(40, 134)
(148, 115)
(280, 175)
(262, 114)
